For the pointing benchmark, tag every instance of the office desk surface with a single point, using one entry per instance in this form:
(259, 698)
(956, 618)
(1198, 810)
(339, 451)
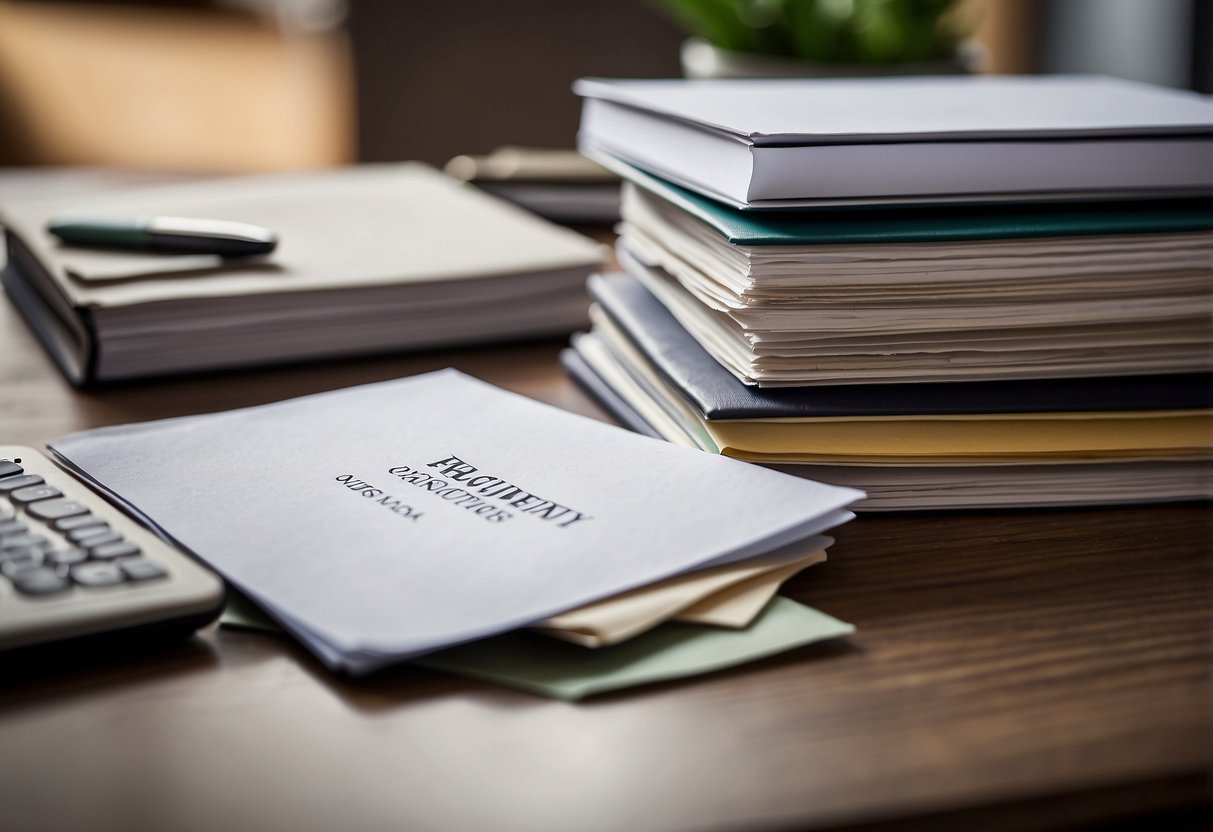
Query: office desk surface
(1011, 670)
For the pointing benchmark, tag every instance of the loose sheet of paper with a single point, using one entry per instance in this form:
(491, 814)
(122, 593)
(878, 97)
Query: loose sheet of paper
(621, 617)
(738, 605)
(390, 520)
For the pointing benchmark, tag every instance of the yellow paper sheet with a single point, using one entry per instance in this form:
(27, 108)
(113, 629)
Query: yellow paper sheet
(621, 617)
(1034, 433)
(738, 605)
(1058, 458)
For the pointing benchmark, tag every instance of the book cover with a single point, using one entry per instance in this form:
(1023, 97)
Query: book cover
(787, 142)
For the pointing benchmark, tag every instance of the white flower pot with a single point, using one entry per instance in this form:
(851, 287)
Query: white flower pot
(701, 59)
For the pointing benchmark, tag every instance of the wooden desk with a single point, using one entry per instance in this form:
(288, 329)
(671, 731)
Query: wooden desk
(1021, 670)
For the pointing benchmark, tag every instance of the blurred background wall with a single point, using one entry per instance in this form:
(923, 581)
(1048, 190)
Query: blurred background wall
(171, 85)
(1158, 41)
(269, 84)
(436, 79)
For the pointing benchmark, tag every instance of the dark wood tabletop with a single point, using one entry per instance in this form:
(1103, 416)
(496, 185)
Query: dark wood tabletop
(1011, 670)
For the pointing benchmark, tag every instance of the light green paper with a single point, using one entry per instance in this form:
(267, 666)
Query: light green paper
(548, 667)
(554, 668)
(243, 614)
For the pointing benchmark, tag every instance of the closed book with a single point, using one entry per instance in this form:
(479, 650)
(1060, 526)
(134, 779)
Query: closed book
(789, 142)
(371, 259)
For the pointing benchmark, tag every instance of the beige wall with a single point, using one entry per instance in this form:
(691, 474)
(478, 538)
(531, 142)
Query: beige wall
(172, 89)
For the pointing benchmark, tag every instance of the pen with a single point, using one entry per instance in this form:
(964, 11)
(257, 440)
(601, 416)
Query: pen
(170, 234)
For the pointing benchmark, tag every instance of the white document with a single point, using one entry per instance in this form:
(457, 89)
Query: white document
(390, 520)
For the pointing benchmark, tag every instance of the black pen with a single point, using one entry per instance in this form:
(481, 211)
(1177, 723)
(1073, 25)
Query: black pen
(182, 235)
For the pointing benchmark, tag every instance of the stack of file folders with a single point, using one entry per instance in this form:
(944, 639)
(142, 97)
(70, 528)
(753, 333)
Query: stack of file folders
(1000, 339)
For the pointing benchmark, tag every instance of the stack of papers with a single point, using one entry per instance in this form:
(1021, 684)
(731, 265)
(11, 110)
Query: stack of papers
(960, 445)
(371, 259)
(841, 306)
(953, 293)
(386, 522)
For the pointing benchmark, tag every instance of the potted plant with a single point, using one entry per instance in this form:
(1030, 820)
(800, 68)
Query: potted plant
(798, 38)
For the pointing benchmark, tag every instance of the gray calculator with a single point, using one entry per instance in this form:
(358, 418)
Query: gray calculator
(73, 566)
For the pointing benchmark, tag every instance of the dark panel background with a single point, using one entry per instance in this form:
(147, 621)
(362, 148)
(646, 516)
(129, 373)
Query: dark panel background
(465, 76)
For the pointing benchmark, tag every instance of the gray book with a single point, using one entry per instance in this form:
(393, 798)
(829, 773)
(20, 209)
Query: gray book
(791, 142)
(371, 259)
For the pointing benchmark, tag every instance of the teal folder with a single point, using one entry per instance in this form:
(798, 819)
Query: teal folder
(865, 224)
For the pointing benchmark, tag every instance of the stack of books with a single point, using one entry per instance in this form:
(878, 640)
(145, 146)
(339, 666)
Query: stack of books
(952, 293)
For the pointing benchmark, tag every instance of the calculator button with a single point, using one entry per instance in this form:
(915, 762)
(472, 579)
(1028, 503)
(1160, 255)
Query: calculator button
(13, 483)
(16, 566)
(109, 551)
(95, 530)
(77, 535)
(19, 552)
(12, 527)
(65, 557)
(22, 541)
(97, 573)
(141, 569)
(78, 522)
(40, 582)
(24, 550)
(102, 538)
(9, 469)
(33, 493)
(56, 509)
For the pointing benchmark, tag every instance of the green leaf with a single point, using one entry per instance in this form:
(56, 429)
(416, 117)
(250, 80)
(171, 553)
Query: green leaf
(844, 31)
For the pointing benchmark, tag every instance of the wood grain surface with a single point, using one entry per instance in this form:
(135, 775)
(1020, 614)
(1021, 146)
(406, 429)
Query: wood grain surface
(1021, 670)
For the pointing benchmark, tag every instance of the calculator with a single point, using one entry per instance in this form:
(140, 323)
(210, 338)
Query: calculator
(72, 566)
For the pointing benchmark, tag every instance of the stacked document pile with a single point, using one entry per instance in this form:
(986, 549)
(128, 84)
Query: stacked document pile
(409, 519)
(936, 343)
(370, 259)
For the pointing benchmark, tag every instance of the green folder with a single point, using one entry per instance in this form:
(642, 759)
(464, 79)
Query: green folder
(539, 664)
(916, 224)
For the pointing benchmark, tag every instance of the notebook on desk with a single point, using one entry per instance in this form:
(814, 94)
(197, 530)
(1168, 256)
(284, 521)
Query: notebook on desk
(372, 259)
